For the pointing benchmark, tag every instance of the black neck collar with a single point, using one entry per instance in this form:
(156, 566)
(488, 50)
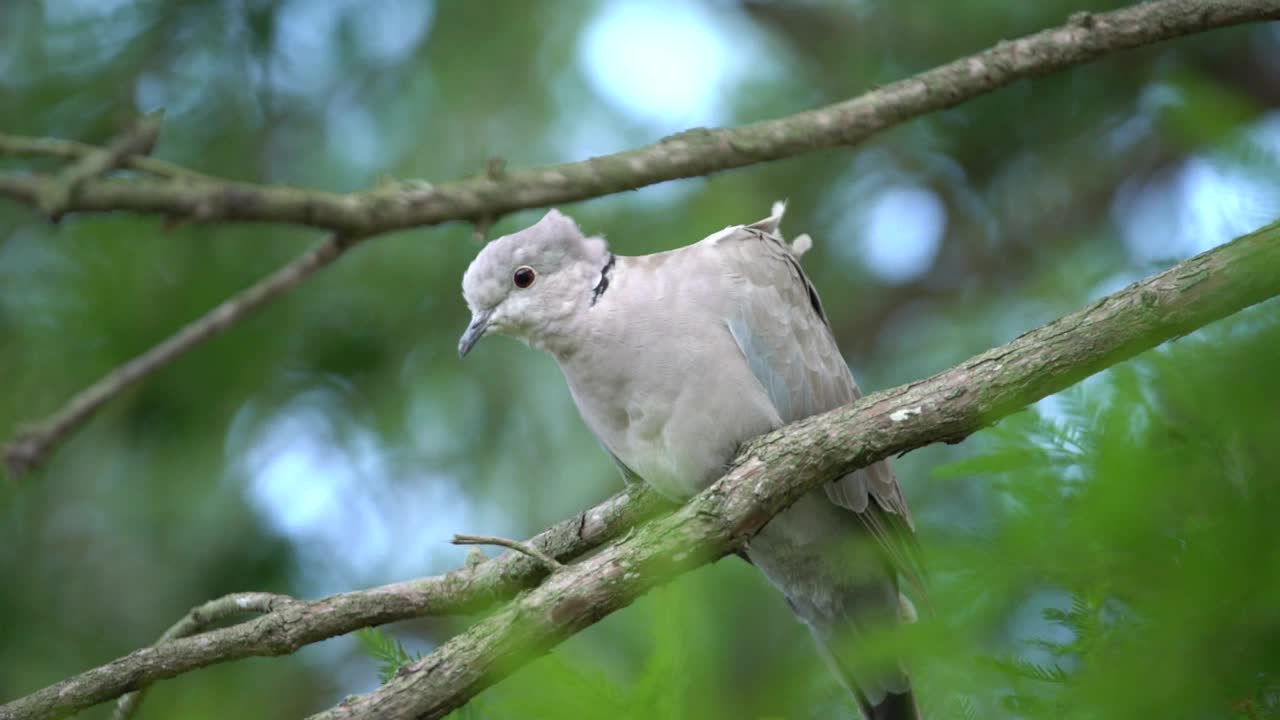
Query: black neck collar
(603, 285)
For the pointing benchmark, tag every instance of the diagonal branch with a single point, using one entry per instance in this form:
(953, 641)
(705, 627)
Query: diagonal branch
(1084, 38)
(31, 446)
(770, 474)
(775, 470)
(199, 620)
(290, 626)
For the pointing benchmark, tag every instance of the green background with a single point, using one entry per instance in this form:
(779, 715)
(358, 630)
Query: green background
(1108, 553)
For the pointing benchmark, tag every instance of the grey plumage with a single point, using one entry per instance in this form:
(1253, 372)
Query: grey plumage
(676, 359)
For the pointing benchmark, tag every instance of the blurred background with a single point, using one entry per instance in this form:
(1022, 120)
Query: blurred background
(1110, 552)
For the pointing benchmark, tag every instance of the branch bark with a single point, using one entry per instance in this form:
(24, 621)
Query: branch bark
(199, 620)
(180, 194)
(778, 468)
(290, 625)
(1085, 37)
(771, 473)
(21, 146)
(56, 194)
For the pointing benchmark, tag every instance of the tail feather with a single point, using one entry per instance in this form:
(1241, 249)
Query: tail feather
(885, 694)
(894, 706)
(837, 582)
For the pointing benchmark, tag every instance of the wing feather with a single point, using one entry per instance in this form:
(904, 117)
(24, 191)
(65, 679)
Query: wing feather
(778, 322)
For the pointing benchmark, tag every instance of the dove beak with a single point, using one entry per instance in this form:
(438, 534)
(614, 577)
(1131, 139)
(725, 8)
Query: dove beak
(475, 331)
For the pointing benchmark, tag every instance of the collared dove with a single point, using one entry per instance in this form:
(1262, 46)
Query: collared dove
(674, 361)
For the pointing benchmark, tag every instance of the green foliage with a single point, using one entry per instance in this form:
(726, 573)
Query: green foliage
(1144, 495)
(1146, 501)
(1122, 564)
(562, 685)
(387, 651)
(566, 683)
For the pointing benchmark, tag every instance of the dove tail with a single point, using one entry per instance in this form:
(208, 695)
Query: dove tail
(880, 696)
(895, 706)
(837, 582)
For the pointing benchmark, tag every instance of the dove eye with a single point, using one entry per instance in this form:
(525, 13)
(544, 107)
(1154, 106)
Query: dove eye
(523, 276)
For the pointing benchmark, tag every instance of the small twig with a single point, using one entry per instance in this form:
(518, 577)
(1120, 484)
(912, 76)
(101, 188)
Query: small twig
(58, 191)
(475, 556)
(495, 169)
(31, 446)
(199, 619)
(71, 150)
(480, 229)
(522, 547)
(465, 591)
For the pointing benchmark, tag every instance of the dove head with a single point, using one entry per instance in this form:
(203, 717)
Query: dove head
(530, 285)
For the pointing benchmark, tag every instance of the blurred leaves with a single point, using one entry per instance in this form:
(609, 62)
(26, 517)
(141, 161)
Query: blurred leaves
(388, 652)
(1117, 538)
(1145, 498)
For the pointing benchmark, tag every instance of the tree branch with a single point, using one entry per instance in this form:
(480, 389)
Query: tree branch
(30, 447)
(775, 470)
(57, 193)
(290, 626)
(199, 620)
(71, 150)
(1085, 37)
(770, 474)
(549, 562)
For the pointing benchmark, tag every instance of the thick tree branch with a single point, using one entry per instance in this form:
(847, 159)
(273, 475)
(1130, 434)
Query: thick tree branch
(769, 475)
(1085, 37)
(291, 625)
(778, 468)
(774, 470)
(31, 445)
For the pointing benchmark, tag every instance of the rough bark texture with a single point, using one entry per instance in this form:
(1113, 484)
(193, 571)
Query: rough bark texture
(287, 624)
(200, 619)
(698, 152)
(779, 467)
